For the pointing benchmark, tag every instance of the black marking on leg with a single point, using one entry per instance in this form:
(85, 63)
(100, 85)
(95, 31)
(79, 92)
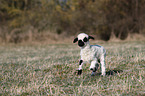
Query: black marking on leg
(94, 69)
(99, 60)
(79, 72)
(81, 61)
(91, 69)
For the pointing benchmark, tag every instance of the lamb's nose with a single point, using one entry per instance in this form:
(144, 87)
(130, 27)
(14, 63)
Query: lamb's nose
(80, 43)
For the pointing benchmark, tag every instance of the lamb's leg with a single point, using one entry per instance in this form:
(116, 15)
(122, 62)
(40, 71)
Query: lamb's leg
(80, 67)
(103, 68)
(94, 67)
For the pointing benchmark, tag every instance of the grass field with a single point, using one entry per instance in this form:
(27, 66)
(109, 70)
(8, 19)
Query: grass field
(51, 70)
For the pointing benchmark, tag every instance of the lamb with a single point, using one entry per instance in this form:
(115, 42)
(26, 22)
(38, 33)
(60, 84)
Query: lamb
(91, 54)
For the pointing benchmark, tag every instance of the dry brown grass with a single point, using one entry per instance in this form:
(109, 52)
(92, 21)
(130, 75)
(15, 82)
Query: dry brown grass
(50, 70)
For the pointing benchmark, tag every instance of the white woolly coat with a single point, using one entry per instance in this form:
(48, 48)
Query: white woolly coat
(92, 52)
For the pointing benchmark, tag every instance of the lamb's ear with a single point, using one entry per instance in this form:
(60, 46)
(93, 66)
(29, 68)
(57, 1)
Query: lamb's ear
(90, 37)
(75, 40)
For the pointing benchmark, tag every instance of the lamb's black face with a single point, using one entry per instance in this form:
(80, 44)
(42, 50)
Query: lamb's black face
(81, 43)
(82, 39)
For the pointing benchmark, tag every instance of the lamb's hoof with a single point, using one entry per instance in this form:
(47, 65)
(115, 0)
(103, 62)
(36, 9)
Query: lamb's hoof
(102, 75)
(93, 73)
(79, 72)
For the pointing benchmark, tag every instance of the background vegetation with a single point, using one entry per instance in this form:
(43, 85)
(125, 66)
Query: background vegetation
(28, 20)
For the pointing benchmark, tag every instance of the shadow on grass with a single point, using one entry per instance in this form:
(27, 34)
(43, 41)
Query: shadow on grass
(111, 72)
(108, 73)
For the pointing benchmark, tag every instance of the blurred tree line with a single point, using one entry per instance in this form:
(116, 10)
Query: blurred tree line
(26, 20)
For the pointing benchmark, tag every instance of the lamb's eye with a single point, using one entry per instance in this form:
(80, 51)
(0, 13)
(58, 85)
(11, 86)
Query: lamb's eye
(85, 39)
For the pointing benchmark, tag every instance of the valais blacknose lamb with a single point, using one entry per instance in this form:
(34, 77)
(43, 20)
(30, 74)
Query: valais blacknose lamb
(93, 54)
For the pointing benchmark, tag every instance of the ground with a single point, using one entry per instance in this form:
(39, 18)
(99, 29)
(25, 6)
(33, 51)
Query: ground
(50, 69)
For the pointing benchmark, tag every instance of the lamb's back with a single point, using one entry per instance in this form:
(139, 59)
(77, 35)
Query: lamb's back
(99, 50)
